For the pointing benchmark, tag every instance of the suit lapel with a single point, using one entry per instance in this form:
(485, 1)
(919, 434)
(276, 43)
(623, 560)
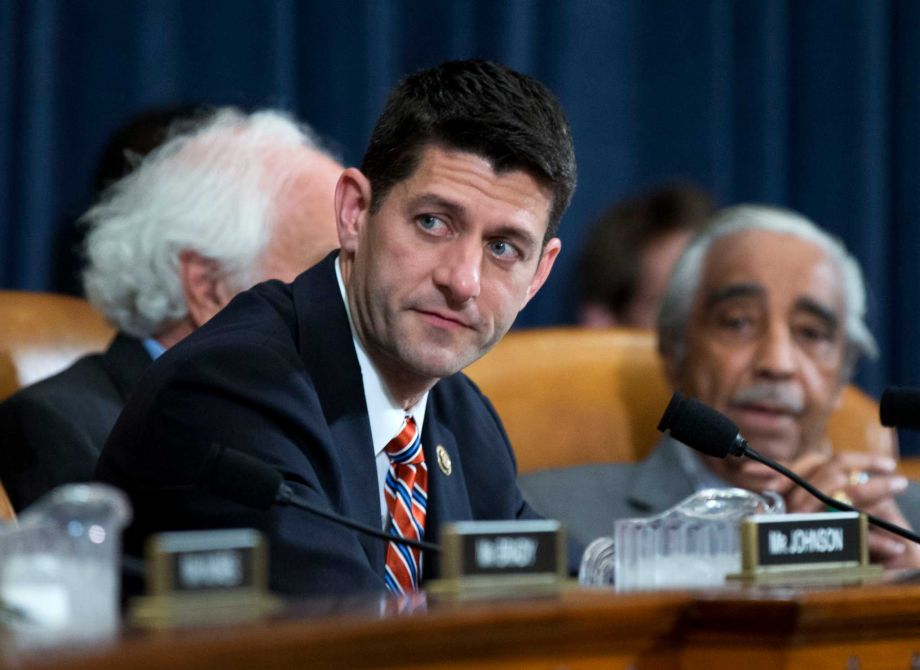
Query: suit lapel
(125, 361)
(328, 353)
(448, 498)
(655, 486)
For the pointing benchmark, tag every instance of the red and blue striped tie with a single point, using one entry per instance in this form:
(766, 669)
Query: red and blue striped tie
(406, 493)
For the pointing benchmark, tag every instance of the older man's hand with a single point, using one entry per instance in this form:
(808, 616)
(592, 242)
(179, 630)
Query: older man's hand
(868, 482)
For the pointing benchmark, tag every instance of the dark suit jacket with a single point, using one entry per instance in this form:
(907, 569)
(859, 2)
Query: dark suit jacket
(587, 499)
(51, 433)
(275, 375)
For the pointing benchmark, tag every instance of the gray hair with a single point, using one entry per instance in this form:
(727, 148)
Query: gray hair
(678, 300)
(210, 189)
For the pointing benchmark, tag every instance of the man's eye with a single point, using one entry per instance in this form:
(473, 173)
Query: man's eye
(736, 327)
(735, 322)
(503, 249)
(814, 334)
(431, 224)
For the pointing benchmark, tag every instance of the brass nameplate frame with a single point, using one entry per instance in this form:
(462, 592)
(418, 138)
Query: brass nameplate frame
(828, 546)
(488, 557)
(209, 576)
(206, 561)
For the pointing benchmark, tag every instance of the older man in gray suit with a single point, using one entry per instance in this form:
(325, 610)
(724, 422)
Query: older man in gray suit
(764, 321)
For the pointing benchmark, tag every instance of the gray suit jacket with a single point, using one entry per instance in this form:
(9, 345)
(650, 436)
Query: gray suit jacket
(51, 433)
(588, 498)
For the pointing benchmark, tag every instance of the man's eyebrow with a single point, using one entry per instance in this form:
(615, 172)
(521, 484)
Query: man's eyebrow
(723, 293)
(436, 202)
(819, 310)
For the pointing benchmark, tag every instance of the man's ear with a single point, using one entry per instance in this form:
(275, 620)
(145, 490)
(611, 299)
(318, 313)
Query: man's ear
(205, 291)
(547, 258)
(838, 396)
(352, 204)
(847, 368)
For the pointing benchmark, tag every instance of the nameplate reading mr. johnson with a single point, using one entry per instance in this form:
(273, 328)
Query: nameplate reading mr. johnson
(803, 539)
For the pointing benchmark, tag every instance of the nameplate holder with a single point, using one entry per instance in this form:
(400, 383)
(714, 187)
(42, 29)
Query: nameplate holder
(485, 558)
(827, 546)
(210, 576)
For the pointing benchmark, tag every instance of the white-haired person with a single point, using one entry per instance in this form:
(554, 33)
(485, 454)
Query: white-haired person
(763, 320)
(226, 202)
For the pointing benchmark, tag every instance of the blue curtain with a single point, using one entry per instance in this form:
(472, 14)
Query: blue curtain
(812, 104)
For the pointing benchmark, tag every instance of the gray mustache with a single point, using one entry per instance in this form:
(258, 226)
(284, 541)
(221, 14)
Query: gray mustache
(782, 397)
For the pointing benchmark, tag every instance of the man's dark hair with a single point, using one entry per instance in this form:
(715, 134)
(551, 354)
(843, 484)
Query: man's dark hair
(610, 266)
(141, 134)
(123, 150)
(479, 107)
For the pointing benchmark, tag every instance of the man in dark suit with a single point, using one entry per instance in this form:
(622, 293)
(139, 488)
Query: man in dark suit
(160, 263)
(763, 320)
(446, 232)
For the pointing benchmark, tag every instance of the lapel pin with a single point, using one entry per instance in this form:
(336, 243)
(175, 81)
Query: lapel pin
(443, 460)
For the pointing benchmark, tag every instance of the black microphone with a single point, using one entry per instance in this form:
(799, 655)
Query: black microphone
(246, 480)
(706, 430)
(900, 407)
(702, 428)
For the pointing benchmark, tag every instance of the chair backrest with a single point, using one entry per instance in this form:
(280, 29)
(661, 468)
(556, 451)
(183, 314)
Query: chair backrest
(42, 333)
(7, 513)
(570, 396)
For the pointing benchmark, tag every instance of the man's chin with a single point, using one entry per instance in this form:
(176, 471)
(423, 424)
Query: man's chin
(783, 447)
(744, 473)
(754, 476)
(437, 363)
(749, 474)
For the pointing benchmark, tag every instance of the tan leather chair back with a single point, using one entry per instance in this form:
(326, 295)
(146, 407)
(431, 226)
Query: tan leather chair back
(43, 333)
(571, 396)
(6, 507)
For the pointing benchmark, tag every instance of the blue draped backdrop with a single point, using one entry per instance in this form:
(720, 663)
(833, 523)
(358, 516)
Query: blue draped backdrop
(812, 104)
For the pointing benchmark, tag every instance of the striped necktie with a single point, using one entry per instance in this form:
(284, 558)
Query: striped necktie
(406, 493)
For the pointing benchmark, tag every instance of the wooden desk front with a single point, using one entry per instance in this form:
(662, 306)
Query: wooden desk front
(844, 629)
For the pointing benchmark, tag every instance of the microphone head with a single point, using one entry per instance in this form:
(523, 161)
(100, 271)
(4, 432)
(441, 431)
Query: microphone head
(243, 479)
(701, 427)
(228, 473)
(900, 407)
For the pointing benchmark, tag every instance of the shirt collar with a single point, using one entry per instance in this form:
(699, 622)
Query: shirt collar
(153, 347)
(384, 413)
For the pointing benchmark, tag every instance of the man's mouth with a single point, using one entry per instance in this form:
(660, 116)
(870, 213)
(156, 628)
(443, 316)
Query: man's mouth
(767, 408)
(443, 319)
(764, 416)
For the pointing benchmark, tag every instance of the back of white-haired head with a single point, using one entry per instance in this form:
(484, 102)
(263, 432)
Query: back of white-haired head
(677, 305)
(211, 190)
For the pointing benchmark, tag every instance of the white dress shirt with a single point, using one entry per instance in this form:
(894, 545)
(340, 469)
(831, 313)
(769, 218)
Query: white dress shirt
(383, 412)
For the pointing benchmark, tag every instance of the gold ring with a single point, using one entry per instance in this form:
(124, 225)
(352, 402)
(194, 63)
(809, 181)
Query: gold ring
(858, 477)
(841, 496)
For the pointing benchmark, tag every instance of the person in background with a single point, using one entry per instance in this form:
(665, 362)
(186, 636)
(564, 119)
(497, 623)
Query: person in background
(763, 320)
(347, 381)
(230, 200)
(123, 151)
(630, 251)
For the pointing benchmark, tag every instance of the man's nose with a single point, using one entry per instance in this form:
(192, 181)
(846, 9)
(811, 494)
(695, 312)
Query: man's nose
(458, 274)
(775, 354)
